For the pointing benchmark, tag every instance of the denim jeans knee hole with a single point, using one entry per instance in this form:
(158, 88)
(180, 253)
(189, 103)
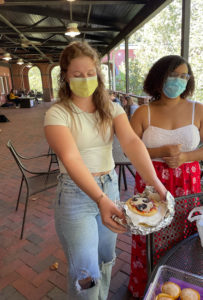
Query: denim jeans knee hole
(85, 281)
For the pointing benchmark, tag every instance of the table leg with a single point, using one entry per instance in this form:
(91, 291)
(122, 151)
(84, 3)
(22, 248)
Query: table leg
(149, 249)
(119, 177)
(131, 171)
(124, 177)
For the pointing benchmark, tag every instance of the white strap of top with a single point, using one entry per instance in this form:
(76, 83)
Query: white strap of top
(193, 112)
(149, 117)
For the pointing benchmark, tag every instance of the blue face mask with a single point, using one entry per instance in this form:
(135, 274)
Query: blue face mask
(174, 87)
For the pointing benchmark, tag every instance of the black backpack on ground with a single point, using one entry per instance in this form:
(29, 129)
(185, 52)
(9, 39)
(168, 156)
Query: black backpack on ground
(4, 119)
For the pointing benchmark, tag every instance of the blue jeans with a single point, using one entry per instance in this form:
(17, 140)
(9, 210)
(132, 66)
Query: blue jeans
(88, 245)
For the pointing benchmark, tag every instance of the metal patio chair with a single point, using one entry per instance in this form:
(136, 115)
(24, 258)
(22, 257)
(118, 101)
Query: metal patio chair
(35, 182)
(53, 160)
(156, 241)
(122, 162)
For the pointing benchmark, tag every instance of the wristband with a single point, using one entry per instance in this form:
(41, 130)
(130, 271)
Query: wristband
(99, 198)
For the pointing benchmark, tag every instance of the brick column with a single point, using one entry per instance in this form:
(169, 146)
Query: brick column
(46, 81)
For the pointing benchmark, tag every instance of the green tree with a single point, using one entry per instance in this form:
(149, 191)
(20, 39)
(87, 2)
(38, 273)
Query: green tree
(55, 80)
(157, 38)
(135, 79)
(162, 36)
(196, 46)
(35, 79)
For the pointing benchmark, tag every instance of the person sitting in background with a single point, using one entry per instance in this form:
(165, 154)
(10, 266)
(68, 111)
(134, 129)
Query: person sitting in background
(114, 98)
(13, 97)
(20, 93)
(31, 93)
(171, 127)
(130, 106)
(123, 101)
(133, 108)
(25, 93)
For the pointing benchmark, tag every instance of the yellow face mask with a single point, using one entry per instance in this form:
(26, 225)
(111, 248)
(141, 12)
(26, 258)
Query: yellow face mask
(83, 87)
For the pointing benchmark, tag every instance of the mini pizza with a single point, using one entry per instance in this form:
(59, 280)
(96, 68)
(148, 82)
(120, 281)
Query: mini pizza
(142, 205)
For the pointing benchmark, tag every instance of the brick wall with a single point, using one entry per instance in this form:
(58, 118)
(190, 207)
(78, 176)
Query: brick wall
(20, 78)
(6, 75)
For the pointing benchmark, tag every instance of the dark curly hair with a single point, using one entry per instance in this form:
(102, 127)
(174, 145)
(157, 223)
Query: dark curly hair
(159, 72)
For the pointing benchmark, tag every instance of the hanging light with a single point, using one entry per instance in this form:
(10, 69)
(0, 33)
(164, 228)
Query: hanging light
(70, 0)
(20, 61)
(7, 56)
(72, 30)
(29, 65)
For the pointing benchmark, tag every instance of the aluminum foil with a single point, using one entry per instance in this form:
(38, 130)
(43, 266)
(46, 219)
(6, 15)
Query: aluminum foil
(144, 230)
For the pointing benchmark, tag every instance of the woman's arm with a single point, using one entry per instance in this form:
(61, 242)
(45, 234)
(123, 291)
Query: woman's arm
(197, 154)
(61, 141)
(137, 153)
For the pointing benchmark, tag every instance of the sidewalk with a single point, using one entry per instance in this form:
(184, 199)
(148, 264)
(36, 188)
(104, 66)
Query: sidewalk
(25, 264)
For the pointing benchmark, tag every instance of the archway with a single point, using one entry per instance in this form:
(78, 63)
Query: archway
(55, 80)
(35, 79)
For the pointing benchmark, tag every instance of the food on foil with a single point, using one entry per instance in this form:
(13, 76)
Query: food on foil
(163, 296)
(189, 294)
(171, 289)
(146, 213)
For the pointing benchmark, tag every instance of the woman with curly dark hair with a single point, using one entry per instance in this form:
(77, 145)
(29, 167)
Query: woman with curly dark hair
(80, 129)
(171, 127)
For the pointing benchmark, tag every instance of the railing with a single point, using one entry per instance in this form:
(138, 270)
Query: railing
(139, 99)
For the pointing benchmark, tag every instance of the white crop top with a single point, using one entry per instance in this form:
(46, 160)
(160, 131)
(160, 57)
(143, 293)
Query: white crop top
(188, 136)
(95, 151)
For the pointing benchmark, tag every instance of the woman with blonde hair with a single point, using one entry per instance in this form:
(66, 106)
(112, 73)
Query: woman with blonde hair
(79, 129)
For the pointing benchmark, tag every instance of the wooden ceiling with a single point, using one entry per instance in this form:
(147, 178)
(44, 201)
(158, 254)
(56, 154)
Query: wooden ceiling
(34, 30)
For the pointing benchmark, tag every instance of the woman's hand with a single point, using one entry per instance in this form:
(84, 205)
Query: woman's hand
(171, 150)
(175, 161)
(161, 190)
(107, 210)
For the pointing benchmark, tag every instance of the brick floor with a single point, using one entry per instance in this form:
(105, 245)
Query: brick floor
(24, 264)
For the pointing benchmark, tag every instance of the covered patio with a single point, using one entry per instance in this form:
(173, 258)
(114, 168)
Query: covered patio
(36, 36)
(33, 33)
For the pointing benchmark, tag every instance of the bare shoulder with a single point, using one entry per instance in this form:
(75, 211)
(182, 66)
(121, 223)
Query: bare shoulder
(199, 112)
(191, 102)
(199, 106)
(140, 111)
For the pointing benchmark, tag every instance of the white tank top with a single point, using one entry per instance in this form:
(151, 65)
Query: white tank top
(188, 136)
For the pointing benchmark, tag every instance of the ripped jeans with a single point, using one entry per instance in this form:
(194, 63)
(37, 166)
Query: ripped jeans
(88, 245)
